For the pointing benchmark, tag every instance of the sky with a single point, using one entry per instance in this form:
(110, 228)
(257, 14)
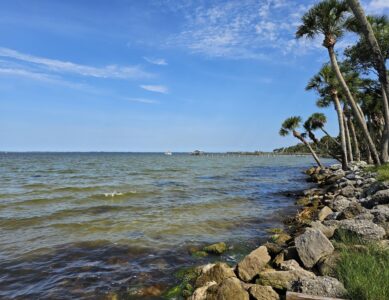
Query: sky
(155, 75)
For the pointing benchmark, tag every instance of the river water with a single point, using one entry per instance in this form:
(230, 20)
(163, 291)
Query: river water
(85, 225)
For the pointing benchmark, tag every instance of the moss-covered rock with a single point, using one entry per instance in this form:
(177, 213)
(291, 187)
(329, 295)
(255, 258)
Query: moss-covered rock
(217, 248)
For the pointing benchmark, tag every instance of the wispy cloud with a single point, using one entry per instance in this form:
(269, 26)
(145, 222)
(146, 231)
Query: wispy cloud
(110, 71)
(155, 88)
(142, 100)
(156, 61)
(248, 29)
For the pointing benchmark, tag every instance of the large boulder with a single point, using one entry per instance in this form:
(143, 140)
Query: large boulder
(229, 289)
(282, 280)
(327, 265)
(217, 273)
(311, 246)
(323, 286)
(348, 191)
(364, 229)
(259, 292)
(253, 263)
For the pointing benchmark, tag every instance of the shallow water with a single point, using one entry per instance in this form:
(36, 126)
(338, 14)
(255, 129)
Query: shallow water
(84, 224)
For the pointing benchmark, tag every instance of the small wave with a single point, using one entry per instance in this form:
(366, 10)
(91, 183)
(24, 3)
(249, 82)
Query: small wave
(115, 193)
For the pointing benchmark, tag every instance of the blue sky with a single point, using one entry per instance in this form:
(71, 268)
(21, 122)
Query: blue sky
(155, 75)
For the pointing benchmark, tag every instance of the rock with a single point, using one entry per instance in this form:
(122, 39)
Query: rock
(290, 265)
(380, 197)
(324, 212)
(311, 246)
(273, 249)
(281, 238)
(327, 265)
(253, 263)
(230, 288)
(217, 248)
(335, 167)
(282, 280)
(204, 268)
(364, 229)
(201, 292)
(365, 216)
(278, 259)
(259, 292)
(374, 188)
(348, 191)
(328, 231)
(380, 213)
(340, 203)
(217, 273)
(350, 212)
(323, 286)
(384, 244)
(291, 253)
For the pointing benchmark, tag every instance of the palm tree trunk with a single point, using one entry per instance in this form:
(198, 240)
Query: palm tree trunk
(355, 139)
(348, 140)
(327, 134)
(385, 134)
(316, 158)
(379, 65)
(353, 105)
(339, 112)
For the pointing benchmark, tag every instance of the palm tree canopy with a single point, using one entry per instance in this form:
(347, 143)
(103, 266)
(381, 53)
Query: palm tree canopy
(289, 125)
(318, 120)
(326, 17)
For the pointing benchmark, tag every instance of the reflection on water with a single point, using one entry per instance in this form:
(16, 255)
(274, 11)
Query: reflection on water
(81, 225)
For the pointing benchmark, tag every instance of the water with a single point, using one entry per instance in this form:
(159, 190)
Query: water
(83, 225)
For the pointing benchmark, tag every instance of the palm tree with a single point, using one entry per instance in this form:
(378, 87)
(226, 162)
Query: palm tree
(368, 27)
(326, 85)
(290, 125)
(328, 18)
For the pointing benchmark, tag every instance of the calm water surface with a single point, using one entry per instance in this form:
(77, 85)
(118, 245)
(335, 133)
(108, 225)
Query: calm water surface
(84, 225)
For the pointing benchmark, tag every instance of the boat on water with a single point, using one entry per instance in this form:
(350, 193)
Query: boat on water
(197, 152)
(168, 153)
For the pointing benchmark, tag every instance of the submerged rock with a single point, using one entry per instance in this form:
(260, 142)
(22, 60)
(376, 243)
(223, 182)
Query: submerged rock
(311, 246)
(253, 263)
(217, 248)
(259, 292)
(323, 286)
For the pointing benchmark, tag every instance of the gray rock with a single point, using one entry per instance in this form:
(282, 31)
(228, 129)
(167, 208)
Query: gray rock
(374, 188)
(328, 231)
(327, 265)
(353, 210)
(380, 213)
(348, 191)
(340, 203)
(260, 292)
(335, 167)
(217, 273)
(381, 197)
(282, 280)
(323, 286)
(364, 229)
(253, 263)
(201, 292)
(217, 248)
(311, 246)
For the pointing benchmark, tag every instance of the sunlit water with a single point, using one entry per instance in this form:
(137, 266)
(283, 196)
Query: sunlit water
(83, 225)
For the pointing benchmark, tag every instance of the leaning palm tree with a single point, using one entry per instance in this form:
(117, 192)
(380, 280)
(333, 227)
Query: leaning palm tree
(328, 18)
(370, 28)
(326, 85)
(290, 125)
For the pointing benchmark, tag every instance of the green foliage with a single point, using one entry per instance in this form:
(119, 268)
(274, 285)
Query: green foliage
(289, 125)
(364, 272)
(382, 172)
(326, 17)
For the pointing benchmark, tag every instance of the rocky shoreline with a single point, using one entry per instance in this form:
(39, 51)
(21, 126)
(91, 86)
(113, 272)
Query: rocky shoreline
(299, 262)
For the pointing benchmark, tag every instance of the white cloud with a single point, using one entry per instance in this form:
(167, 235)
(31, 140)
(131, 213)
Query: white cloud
(156, 61)
(111, 71)
(377, 6)
(142, 100)
(248, 29)
(155, 88)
